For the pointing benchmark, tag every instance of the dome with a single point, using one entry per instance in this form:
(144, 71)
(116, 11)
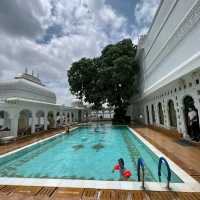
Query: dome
(23, 88)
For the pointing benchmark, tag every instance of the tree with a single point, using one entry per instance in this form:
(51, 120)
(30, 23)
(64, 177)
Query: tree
(83, 80)
(110, 78)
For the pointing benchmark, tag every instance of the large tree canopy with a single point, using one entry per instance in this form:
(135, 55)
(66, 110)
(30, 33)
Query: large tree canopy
(110, 78)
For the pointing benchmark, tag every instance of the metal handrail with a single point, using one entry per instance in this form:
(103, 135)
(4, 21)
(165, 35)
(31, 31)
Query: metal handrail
(140, 165)
(163, 160)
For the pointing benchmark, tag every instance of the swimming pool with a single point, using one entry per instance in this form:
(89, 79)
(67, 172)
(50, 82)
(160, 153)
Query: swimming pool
(88, 153)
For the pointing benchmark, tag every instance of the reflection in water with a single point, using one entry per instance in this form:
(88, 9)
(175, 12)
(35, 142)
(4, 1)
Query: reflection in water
(77, 147)
(98, 146)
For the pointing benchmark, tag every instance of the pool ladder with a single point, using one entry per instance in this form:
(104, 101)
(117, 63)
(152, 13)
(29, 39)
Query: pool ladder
(140, 168)
(140, 165)
(163, 160)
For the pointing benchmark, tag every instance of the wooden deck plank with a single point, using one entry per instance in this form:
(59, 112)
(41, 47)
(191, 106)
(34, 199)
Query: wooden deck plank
(7, 190)
(68, 193)
(188, 196)
(27, 190)
(107, 195)
(162, 195)
(139, 195)
(46, 192)
(90, 194)
(121, 195)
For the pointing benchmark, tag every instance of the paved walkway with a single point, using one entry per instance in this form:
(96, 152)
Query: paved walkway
(186, 155)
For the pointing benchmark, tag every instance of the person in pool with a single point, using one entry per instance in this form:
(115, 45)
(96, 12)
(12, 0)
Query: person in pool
(124, 174)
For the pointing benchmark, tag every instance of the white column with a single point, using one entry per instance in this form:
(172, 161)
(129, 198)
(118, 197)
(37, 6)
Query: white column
(70, 116)
(55, 118)
(61, 118)
(45, 120)
(33, 122)
(14, 124)
(157, 115)
(167, 116)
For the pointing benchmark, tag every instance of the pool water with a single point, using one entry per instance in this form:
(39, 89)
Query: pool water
(87, 153)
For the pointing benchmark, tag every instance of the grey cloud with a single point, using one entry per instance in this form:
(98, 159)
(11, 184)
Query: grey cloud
(22, 20)
(19, 18)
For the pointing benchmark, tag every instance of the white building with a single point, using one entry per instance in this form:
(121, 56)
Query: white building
(169, 57)
(27, 106)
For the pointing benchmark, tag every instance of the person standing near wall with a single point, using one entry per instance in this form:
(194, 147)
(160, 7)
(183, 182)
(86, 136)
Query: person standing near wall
(193, 124)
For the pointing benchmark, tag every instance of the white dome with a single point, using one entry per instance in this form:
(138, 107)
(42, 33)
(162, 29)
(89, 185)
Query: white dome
(26, 89)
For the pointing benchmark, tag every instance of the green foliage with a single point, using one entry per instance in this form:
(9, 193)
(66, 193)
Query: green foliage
(109, 78)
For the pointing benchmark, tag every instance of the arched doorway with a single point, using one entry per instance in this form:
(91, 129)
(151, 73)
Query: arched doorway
(58, 119)
(51, 120)
(5, 122)
(188, 102)
(40, 121)
(68, 117)
(153, 114)
(147, 111)
(160, 114)
(79, 116)
(172, 114)
(25, 122)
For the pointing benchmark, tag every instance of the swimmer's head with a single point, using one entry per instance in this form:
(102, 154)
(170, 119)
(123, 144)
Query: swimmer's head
(121, 163)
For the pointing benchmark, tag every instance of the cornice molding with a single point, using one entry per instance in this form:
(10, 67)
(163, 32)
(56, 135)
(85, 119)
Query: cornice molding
(185, 27)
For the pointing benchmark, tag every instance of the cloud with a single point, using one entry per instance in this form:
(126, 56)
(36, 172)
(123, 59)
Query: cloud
(21, 18)
(144, 13)
(48, 35)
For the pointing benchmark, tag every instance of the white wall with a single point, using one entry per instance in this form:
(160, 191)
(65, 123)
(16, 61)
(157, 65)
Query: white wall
(172, 44)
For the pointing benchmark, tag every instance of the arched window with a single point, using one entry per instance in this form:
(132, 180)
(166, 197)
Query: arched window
(160, 114)
(147, 111)
(25, 122)
(172, 114)
(153, 113)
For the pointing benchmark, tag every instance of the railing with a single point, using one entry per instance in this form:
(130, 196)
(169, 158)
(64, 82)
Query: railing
(140, 165)
(163, 160)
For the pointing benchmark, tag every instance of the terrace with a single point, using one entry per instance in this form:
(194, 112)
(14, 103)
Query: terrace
(186, 157)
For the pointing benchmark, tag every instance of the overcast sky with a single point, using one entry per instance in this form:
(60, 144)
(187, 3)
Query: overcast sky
(48, 35)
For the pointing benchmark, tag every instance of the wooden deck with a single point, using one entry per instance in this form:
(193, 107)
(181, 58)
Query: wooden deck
(51, 193)
(21, 142)
(187, 156)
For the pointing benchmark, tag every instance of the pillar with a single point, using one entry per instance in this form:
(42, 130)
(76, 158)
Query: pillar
(45, 120)
(70, 117)
(167, 115)
(61, 118)
(14, 124)
(33, 122)
(55, 119)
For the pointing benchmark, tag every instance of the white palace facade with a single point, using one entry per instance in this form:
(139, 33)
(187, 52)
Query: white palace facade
(169, 56)
(27, 106)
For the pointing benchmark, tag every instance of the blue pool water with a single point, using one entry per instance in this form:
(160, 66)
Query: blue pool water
(84, 154)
